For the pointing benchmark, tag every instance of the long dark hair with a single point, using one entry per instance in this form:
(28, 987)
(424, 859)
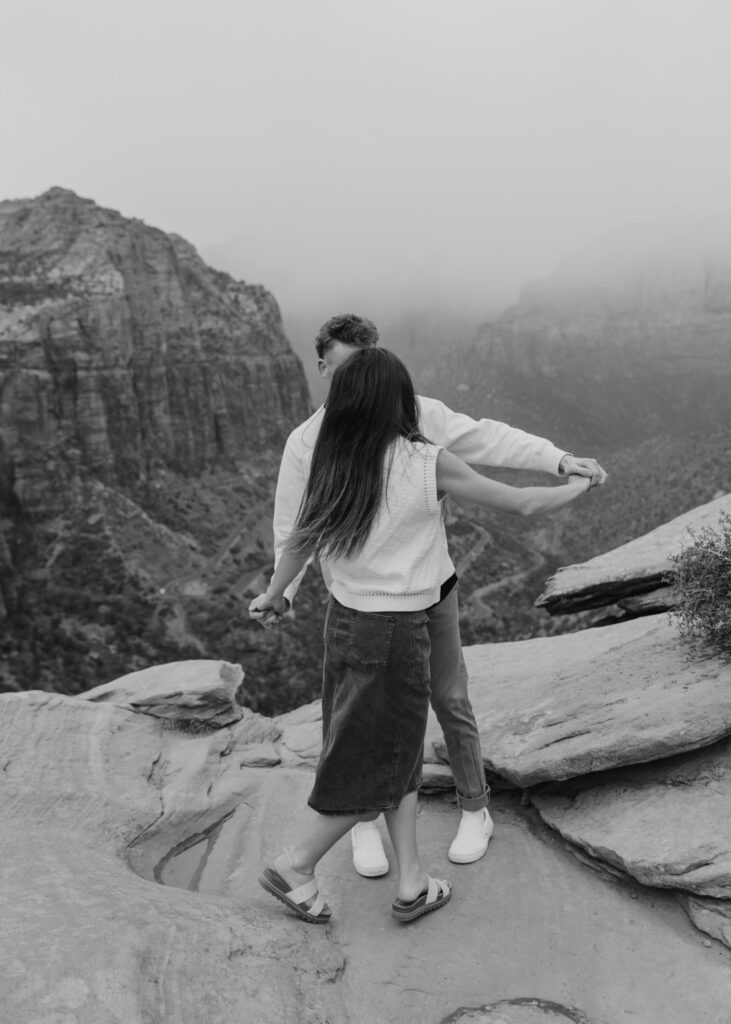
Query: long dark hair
(371, 403)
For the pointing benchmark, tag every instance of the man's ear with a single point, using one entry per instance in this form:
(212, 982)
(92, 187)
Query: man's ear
(322, 368)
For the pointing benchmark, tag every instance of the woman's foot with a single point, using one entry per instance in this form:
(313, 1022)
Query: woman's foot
(411, 884)
(296, 889)
(434, 895)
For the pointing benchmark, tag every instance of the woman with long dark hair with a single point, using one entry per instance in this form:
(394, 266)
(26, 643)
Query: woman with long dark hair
(372, 514)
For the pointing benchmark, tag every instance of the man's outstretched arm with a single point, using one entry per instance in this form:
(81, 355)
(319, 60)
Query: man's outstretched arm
(487, 442)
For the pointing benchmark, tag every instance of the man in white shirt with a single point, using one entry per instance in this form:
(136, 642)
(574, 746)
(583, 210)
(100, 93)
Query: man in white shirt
(479, 442)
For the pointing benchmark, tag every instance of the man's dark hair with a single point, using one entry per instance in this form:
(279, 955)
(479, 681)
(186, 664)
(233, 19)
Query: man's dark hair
(347, 328)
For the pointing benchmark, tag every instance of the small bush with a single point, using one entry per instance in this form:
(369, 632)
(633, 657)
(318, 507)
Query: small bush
(703, 583)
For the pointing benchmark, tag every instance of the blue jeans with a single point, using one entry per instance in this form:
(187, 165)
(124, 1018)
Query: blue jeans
(452, 706)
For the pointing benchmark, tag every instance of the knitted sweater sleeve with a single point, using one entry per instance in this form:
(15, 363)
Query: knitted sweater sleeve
(486, 442)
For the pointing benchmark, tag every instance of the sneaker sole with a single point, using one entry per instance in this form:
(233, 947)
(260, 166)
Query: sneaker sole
(371, 872)
(467, 858)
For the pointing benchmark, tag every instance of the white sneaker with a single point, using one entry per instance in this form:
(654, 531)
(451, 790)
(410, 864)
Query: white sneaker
(369, 857)
(472, 838)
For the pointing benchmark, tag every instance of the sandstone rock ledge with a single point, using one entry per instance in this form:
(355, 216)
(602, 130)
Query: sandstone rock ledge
(559, 707)
(100, 801)
(93, 796)
(635, 574)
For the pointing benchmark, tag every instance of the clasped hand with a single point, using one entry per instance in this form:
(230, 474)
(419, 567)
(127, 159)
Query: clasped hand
(571, 466)
(268, 611)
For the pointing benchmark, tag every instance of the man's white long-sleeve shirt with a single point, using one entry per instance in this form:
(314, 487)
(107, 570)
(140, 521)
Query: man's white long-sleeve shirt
(479, 442)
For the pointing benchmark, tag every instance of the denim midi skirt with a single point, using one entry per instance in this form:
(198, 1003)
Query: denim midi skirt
(375, 702)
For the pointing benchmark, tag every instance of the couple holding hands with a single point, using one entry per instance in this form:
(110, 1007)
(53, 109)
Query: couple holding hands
(361, 487)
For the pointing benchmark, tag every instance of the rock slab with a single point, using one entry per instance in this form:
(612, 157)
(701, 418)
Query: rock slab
(637, 567)
(182, 692)
(97, 797)
(558, 707)
(667, 824)
(93, 796)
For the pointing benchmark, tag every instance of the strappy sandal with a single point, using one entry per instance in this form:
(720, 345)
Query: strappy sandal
(297, 899)
(436, 894)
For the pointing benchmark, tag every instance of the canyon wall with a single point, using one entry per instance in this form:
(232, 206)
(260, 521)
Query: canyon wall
(122, 353)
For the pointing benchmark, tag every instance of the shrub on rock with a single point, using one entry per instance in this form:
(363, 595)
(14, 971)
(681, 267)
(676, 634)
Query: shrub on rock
(703, 583)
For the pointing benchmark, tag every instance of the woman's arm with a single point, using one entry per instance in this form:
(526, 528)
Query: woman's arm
(274, 601)
(291, 484)
(464, 484)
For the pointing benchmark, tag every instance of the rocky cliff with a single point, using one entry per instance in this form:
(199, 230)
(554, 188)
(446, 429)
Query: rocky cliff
(122, 353)
(627, 339)
(135, 820)
(144, 401)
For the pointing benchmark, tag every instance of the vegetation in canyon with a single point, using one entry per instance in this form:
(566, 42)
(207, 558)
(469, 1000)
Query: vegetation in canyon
(141, 430)
(115, 585)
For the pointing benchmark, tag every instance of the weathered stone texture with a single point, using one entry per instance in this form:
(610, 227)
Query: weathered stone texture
(632, 569)
(200, 691)
(709, 915)
(100, 803)
(121, 352)
(90, 791)
(666, 824)
(557, 707)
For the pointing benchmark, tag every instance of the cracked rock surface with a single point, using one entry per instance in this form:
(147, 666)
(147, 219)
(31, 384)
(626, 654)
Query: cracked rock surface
(100, 804)
(634, 818)
(93, 796)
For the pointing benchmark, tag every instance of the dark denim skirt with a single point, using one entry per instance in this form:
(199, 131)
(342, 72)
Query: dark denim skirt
(375, 702)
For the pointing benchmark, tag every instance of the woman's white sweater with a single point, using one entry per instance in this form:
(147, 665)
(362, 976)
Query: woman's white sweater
(405, 559)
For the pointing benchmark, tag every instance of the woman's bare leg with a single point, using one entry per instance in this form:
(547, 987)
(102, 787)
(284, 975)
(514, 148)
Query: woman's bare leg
(319, 834)
(401, 824)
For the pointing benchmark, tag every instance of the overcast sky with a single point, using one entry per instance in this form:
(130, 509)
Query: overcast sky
(454, 148)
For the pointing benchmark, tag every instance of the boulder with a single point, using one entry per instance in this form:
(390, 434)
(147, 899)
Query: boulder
(557, 707)
(635, 568)
(666, 824)
(183, 692)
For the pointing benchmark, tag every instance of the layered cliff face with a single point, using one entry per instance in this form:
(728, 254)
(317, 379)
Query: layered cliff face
(122, 353)
(627, 339)
(144, 402)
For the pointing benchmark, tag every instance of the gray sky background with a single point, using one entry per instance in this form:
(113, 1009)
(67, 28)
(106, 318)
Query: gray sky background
(444, 148)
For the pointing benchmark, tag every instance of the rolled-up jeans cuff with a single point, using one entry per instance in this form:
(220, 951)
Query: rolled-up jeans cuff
(474, 803)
